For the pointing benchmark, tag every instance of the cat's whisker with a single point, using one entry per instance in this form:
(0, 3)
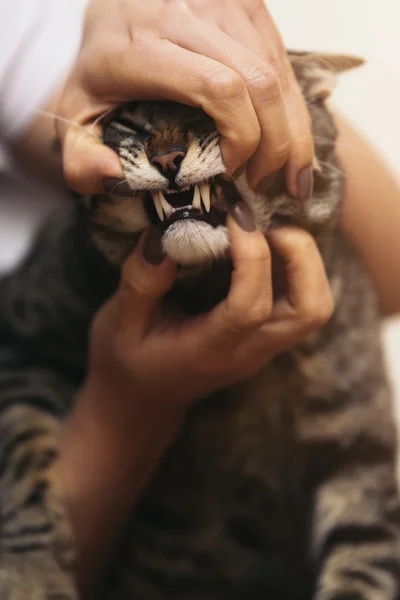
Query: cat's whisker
(349, 180)
(100, 118)
(123, 182)
(330, 167)
(337, 170)
(47, 113)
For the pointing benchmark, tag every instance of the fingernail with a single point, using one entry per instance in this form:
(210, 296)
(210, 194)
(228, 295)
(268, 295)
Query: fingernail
(243, 216)
(117, 186)
(152, 250)
(266, 183)
(305, 183)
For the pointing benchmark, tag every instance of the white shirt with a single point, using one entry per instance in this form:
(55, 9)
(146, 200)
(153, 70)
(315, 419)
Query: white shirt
(38, 42)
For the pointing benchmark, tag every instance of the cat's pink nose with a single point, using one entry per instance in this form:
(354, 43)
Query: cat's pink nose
(169, 162)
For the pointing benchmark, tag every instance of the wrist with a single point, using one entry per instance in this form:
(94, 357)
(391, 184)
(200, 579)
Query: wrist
(110, 446)
(106, 426)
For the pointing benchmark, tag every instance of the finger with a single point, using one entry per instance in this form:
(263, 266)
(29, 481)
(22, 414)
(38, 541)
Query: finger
(299, 174)
(262, 85)
(309, 299)
(146, 277)
(249, 300)
(87, 161)
(190, 79)
(298, 168)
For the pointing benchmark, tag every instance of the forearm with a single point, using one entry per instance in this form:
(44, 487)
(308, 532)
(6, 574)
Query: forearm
(105, 463)
(371, 213)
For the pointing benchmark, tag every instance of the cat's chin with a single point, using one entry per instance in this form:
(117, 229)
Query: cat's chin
(190, 242)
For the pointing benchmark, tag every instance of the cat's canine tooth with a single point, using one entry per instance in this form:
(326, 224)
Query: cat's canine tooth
(196, 203)
(205, 195)
(165, 204)
(157, 204)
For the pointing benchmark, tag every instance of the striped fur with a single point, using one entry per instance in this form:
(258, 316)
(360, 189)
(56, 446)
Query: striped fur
(282, 487)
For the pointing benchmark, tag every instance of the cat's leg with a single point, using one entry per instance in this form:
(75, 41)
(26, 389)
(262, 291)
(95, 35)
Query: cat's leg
(356, 531)
(36, 549)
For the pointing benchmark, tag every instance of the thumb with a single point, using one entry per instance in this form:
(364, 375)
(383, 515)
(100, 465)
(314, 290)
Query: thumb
(146, 277)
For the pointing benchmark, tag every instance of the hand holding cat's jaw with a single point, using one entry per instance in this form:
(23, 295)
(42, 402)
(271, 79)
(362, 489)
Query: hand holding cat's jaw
(141, 354)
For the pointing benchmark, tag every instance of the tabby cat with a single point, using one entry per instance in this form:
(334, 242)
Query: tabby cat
(280, 488)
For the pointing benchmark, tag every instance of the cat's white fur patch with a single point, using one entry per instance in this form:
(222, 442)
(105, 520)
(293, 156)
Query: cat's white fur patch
(201, 165)
(139, 173)
(195, 242)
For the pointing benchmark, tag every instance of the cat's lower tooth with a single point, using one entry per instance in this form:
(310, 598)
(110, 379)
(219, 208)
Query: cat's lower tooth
(205, 195)
(165, 204)
(157, 204)
(196, 198)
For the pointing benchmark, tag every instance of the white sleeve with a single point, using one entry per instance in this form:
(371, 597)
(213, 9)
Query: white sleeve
(39, 40)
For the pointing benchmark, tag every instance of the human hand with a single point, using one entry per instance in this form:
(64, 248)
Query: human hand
(147, 366)
(140, 351)
(225, 56)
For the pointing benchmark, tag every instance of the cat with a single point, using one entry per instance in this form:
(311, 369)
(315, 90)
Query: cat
(282, 487)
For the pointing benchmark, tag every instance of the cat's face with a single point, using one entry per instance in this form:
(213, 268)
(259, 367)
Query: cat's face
(175, 175)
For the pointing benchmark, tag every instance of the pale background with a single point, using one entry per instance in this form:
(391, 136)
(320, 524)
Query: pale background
(370, 97)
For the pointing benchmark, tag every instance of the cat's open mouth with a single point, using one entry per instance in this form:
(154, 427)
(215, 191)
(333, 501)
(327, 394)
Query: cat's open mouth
(200, 202)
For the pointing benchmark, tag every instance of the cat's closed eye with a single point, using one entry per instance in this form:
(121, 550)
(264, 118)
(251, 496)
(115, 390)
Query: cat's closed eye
(131, 127)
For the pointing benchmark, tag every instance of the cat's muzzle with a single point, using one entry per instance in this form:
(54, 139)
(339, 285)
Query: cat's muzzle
(192, 220)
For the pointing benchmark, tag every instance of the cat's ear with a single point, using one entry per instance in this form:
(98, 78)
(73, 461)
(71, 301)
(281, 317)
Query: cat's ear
(317, 72)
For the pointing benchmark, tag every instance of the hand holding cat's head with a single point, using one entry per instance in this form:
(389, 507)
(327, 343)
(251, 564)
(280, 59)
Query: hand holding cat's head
(175, 177)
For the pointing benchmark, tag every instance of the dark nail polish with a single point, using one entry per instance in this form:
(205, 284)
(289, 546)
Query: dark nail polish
(152, 250)
(117, 186)
(243, 216)
(305, 183)
(266, 183)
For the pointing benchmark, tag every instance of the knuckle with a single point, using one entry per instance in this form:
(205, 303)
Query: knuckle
(317, 313)
(234, 322)
(223, 84)
(241, 318)
(326, 307)
(280, 64)
(265, 83)
(258, 314)
(278, 155)
(260, 78)
(137, 285)
(249, 140)
(172, 11)
(141, 40)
